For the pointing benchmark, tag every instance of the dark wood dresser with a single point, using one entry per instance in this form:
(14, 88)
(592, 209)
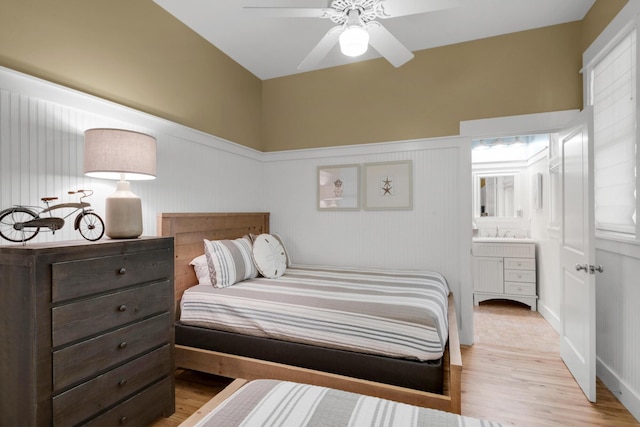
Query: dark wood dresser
(86, 333)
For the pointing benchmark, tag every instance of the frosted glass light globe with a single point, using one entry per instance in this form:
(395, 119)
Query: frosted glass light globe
(354, 41)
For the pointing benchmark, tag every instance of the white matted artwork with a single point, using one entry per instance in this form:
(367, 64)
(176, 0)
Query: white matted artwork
(339, 187)
(388, 185)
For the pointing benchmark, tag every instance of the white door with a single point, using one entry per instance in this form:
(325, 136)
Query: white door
(577, 254)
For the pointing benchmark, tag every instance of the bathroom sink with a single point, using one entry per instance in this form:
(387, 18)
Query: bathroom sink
(502, 240)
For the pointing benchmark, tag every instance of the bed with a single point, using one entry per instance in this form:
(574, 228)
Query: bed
(234, 355)
(273, 402)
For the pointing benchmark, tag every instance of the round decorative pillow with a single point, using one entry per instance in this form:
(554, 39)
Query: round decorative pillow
(269, 256)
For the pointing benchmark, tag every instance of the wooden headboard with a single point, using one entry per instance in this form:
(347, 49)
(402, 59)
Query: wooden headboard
(190, 229)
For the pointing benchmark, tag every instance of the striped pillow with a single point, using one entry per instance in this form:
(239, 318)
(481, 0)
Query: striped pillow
(229, 261)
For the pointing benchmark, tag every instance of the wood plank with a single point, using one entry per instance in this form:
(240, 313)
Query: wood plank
(213, 403)
(233, 366)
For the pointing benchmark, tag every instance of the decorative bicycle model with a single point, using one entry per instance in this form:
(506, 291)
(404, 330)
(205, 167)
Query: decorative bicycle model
(21, 223)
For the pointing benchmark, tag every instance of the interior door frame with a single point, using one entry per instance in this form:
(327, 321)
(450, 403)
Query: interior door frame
(538, 123)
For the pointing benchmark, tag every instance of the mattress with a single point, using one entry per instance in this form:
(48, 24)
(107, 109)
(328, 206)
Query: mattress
(282, 403)
(400, 314)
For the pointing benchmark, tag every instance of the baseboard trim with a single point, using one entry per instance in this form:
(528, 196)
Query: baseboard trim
(551, 317)
(626, 396)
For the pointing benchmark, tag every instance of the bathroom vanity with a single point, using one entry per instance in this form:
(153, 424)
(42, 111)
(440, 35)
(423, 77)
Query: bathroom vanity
(504, 268)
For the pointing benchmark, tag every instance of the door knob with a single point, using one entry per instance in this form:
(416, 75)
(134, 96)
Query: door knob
(584, 267)
(594, 268)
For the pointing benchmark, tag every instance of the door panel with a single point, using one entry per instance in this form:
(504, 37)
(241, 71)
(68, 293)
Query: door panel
(578, 309)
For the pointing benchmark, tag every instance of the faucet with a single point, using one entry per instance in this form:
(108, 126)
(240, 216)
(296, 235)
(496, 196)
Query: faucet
(497, 231)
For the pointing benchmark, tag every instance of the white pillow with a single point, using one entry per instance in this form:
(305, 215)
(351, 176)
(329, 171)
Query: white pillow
(269, 256)
(229, 261)
(201, 268)
(277, 236)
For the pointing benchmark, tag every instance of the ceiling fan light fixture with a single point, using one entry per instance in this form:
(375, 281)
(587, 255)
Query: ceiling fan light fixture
(354, 41)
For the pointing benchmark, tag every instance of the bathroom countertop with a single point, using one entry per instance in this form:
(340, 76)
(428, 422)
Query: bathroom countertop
(503, 240)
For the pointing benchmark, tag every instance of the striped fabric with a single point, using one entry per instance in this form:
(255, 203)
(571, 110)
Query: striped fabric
(230, 261)
(271, 403)
(400, 314)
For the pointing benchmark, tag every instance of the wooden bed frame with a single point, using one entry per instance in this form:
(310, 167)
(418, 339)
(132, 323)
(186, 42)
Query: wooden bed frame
(189, 230)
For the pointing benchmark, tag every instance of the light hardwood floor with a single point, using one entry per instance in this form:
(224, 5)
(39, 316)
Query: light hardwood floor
(512, 374)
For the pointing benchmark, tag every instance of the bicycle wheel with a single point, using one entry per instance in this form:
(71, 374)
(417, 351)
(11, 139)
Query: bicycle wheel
(90, 226)
(10, 229)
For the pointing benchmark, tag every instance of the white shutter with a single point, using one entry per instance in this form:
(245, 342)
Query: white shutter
(614, 107)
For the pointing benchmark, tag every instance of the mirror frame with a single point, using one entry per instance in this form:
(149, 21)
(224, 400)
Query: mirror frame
(476, 193)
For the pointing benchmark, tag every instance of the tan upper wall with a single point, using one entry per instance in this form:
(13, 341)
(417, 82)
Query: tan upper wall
(598, 17)
(521, 73)
(135, 53)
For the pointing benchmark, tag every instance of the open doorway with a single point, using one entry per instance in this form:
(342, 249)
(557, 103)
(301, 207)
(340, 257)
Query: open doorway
(532, 213)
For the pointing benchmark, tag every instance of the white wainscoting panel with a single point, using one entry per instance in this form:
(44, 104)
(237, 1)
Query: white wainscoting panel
(618, 327)
(434, 235)
(41, 155)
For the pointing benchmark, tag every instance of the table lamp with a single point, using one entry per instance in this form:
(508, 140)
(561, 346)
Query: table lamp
(124, 155)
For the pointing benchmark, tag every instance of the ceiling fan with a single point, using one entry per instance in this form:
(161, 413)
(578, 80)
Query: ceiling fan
(357, 26)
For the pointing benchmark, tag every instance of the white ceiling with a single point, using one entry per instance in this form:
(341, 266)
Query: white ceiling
(273, 47)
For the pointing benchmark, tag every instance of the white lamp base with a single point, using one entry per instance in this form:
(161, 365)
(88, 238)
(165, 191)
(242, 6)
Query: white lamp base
(123, 213)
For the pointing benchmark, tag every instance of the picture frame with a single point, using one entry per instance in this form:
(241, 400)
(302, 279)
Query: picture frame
(388, 185)
(338, 187)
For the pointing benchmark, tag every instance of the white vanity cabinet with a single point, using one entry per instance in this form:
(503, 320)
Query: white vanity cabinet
(505, 270)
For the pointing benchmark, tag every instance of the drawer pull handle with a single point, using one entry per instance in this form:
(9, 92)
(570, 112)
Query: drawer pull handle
(122, 270)
(122, 308)
(123, 420)
(123, 344)
(122, 382)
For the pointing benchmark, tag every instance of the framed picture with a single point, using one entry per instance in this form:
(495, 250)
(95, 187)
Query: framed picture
(388, 185)
(339, 187)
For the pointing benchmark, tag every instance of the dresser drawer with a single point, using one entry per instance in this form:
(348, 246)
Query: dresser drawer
(519, 276)
(83, 360)
(520, 288)
(141, 409)
(74, 279)
(519, 263)
(71, 322)
(81, 402)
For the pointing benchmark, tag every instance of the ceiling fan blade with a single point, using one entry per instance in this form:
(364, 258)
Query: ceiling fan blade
(387, 45)
(395, 8)
(288, 12)
(288, 8)
(321, 49)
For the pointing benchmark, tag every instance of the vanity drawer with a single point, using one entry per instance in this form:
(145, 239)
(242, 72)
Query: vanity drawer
(81, 402)
(71, 322)
(78, 278)
(519, 288)
(519, 264)
(85, 359)
(519, 276)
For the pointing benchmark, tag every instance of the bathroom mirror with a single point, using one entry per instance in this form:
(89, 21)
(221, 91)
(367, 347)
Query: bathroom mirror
(495, 195)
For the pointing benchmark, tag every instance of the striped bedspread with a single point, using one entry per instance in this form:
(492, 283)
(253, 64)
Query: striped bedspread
(279, 403)
(399, 314)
